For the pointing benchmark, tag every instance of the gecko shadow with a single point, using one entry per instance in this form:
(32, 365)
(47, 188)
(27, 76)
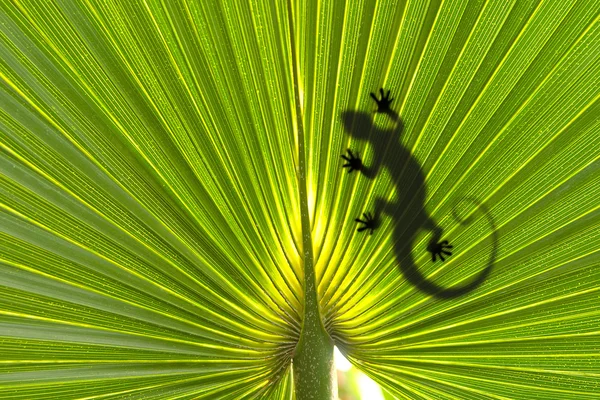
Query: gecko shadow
(407, 209)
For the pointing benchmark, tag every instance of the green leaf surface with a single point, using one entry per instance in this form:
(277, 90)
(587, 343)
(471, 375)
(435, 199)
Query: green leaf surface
(170, 170)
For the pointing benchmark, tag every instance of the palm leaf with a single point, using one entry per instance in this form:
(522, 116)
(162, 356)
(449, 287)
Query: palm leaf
(171, 174)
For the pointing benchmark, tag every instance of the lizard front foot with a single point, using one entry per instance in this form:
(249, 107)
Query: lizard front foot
(383, 104)
(353, 163)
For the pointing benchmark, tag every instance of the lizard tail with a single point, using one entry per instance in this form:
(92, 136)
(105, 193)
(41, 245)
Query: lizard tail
(415, 277)
(484, 274)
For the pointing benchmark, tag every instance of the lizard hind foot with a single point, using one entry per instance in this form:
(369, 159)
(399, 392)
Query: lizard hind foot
(439, 249)
(370, 222)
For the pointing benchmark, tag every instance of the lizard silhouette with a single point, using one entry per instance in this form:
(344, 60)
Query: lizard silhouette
(408, 208)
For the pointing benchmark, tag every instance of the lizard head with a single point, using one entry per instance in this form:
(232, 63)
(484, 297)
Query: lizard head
(357, 124)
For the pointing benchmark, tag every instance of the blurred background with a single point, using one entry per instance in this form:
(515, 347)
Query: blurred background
(355, 385)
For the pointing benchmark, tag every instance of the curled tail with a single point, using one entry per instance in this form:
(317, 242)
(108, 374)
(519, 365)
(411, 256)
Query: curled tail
(413, 275)
(483, 275)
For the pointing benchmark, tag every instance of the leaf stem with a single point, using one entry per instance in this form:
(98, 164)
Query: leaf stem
(313, 369)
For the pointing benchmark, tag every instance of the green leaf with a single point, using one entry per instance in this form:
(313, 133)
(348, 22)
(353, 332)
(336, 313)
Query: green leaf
(175, 218)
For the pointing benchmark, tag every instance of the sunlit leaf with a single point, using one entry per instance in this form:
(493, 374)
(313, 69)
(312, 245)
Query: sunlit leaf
(170, 169)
